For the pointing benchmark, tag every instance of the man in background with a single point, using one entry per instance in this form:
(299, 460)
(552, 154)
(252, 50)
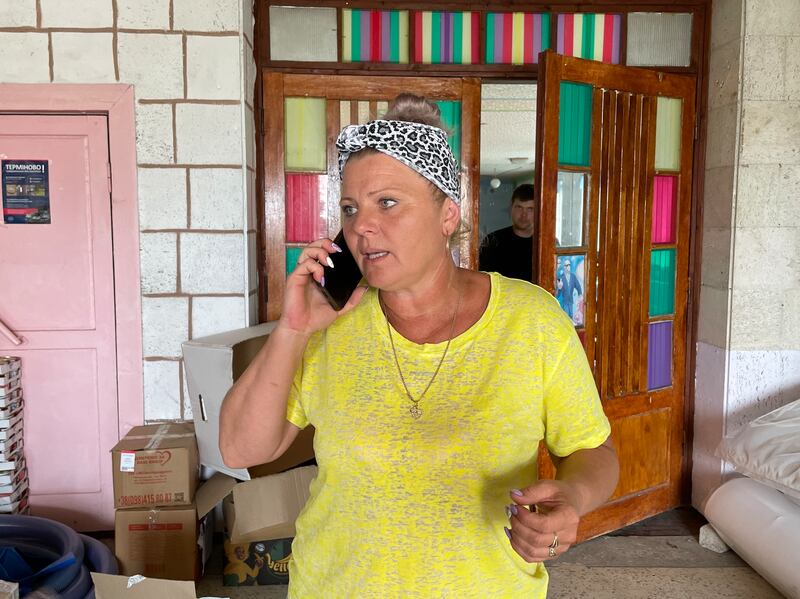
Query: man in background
(509, 251)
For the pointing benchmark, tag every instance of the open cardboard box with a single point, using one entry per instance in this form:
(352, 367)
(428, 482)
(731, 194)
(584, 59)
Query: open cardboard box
(212, 364)
(260, 522)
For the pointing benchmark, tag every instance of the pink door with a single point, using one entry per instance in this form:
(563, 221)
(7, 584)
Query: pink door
(57, 297)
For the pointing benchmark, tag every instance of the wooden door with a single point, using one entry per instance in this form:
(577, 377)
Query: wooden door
(57, 299)
(303, 115)
(614, 174)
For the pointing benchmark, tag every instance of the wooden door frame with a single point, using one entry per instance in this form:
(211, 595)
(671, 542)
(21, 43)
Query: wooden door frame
(278, 86)
(554, 69)
(116, 101)
(700, 44)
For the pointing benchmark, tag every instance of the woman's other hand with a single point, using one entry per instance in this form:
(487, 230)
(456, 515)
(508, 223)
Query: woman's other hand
(305, 309)
(550, 527)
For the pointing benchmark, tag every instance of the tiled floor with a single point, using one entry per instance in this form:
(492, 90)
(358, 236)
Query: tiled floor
(658, 559)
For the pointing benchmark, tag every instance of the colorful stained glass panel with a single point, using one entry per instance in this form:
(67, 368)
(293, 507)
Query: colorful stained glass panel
(516, 37)
(668, 134)
(292, 255)
(306, 207)
(570, 195)
(662, 282)
(374, 35)
(302, 33)
(659, 355)
(659, 39)
(446, 37)
(592, 36)
(664, 194)
(451, 116)
(574, 124)
(305, 148)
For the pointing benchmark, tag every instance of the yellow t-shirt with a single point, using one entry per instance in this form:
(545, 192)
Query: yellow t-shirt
(416, 508)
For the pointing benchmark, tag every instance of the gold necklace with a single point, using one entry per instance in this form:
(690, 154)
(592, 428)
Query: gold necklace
(414, 410)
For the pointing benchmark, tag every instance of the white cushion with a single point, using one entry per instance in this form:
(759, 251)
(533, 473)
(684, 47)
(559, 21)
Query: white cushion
(768, 449)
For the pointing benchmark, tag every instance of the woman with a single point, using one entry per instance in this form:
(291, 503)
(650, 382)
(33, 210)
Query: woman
(429, 392)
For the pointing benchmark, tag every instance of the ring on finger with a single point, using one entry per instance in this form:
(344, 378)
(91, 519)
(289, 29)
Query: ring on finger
(551, 548)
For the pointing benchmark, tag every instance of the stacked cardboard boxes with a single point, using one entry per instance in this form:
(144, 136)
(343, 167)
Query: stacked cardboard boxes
(13, 474)
(162, 524)
(261, 511)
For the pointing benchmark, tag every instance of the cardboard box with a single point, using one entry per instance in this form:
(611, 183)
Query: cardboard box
(170, 542)
(212, 365)
(156, 465)
(267, 507)
(108, 586)
(259, 519)
(256, 564)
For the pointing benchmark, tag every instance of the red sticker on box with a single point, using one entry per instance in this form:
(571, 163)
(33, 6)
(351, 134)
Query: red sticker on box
(127, 461)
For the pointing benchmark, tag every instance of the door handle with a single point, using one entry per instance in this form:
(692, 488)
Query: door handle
(12, 337)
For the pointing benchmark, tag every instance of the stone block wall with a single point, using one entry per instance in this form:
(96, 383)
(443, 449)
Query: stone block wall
(748, 353)
(191, 64)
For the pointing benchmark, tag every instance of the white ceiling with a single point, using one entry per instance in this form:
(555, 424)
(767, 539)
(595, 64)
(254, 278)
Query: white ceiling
(508, 129)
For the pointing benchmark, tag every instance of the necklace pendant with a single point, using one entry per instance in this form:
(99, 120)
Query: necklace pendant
(415, 412)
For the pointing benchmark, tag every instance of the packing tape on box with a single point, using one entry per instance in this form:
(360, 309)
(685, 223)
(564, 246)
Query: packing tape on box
(159, 436)
(135, 580)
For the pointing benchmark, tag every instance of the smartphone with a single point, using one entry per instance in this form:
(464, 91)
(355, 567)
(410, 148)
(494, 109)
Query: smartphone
(341, 281)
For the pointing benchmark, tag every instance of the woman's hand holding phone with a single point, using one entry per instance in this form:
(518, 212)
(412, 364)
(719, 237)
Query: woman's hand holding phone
(305, 309)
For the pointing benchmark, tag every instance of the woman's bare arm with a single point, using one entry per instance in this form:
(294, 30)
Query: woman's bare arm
(252, 424)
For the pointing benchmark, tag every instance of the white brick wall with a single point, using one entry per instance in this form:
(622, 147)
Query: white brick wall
(159, 262)
(188, 62)
(216, 198)
(212, 315)
(153, 62)
(18, 13)
(83, 57)
(213, 67)
(154, 143)
(748, 359)
(24, 57)
(207, 15)
(89, 14)
(209, 134)
(165, 325)
(162, 198)
(143, 14)
(162, 390)
(211, 263)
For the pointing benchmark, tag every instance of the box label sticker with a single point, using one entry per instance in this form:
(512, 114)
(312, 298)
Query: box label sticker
(127, 461)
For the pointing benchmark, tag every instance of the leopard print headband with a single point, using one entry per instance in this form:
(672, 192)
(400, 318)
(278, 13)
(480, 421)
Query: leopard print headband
(420, 147)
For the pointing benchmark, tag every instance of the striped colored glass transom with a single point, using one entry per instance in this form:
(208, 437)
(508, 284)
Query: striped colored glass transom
(516, 38)
(374, 35)
(446, 37)
(592, 36)
(574, 124)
